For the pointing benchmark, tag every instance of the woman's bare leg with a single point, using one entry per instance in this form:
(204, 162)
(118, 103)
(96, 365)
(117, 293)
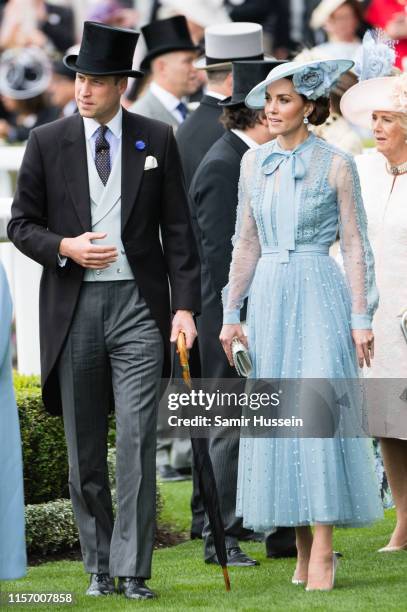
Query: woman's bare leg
(320, 564)
(303, 537)
(395, 462)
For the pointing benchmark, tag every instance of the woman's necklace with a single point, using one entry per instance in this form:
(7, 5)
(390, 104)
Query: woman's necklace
(396, 170)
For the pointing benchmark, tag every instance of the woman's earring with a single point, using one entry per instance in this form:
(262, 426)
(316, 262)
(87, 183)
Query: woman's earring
(306, 120)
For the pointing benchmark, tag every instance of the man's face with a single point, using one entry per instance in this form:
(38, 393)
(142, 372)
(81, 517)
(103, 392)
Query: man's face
(98, 97)
(61, 90)
(179, 72)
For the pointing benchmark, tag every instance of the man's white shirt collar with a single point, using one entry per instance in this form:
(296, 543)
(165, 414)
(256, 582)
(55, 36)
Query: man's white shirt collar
(252, 144)
(215, 94)
(114, 125)
(166, 98)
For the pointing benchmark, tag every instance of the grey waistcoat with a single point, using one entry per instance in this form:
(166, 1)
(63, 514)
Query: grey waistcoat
(105, 202)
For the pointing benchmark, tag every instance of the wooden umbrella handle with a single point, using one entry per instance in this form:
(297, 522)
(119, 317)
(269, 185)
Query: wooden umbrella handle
(182, 349)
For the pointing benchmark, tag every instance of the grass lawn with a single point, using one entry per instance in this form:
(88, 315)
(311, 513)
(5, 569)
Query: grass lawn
(366, 580)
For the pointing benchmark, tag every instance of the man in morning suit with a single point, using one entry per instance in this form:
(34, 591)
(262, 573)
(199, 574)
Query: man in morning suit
(223, 44)
(170, 56)
(95, 192)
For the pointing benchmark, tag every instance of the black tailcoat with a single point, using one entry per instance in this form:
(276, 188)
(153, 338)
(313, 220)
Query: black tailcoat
(213, 198)
(52, 201)
(197, 134)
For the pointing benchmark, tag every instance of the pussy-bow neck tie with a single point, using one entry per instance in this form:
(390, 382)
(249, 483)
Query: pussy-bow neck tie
(291, 167)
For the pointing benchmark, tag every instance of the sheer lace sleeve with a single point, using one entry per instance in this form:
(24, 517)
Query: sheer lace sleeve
(358, 261)
(246, 248)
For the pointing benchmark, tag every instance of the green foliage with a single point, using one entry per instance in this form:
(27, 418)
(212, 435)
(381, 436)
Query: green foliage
(44, 448)
(50, 527)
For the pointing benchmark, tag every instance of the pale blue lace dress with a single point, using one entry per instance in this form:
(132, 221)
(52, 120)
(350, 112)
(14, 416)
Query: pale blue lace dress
(12, 539)
(301, 312)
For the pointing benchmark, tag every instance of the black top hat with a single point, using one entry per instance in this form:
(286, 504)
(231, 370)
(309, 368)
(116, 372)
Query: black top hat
(245, 76)
(105, 50)
(164, 36)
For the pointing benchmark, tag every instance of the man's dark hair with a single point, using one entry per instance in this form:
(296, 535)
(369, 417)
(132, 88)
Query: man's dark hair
(216, 77)
(240, 117)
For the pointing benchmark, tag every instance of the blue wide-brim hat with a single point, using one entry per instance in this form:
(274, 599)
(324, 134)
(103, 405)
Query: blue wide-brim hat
(312, 79)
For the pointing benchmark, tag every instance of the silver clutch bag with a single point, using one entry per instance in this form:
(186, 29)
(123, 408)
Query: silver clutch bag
(241, 358)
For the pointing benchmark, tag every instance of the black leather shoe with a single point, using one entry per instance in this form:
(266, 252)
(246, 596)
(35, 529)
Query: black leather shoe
(281, 543)
(236, 558)
(134, 588)
(167, 473)
(100, 584)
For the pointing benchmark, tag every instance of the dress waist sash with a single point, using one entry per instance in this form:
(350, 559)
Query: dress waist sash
(300, 249)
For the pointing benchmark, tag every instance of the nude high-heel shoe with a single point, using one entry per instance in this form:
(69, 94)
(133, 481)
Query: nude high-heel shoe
(389, 549)
(335, 562)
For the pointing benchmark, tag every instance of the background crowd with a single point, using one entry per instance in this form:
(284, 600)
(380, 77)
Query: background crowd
(36, 88)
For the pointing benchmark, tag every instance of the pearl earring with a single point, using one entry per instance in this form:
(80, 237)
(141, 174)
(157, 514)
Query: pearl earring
(306, 120)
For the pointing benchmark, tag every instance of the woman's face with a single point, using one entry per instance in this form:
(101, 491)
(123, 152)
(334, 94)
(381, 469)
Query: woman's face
(284, 107)
(342, 24)
(389, 135)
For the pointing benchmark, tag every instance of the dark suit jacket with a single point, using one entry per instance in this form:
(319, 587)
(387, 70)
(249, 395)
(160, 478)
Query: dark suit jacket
(213, 198)
(197, 134)
(52, 201)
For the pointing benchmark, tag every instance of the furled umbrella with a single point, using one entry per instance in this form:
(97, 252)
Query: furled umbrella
(204, 469)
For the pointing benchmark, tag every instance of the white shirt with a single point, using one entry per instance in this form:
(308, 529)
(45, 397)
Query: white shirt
(113, 133)
(113, 136)
(215, 94)
(168, 100)
(252, 144)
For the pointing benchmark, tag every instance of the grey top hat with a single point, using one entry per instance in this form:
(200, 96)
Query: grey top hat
(245, 76)
(229, 42)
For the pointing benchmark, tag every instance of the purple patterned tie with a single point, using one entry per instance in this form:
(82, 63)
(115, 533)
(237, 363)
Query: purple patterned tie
(102, 154)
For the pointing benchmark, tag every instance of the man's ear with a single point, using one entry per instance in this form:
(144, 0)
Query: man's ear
(123, 85)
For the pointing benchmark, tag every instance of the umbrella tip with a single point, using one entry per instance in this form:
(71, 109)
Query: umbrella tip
(226, 578)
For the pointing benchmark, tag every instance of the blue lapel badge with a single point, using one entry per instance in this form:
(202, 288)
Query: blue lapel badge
(140, 145)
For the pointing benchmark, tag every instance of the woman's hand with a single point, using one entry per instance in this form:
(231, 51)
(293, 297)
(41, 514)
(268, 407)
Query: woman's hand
(227, 334)
(364, 343)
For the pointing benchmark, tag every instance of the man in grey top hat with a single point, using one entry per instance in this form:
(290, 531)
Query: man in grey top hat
(170, 56)
(101, 205)
(223, 44)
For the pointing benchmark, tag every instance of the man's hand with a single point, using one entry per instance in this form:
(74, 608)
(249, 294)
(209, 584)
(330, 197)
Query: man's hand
(86, 254)
(183, 321)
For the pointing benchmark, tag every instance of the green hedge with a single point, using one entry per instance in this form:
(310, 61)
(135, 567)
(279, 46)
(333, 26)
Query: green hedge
(44, 448)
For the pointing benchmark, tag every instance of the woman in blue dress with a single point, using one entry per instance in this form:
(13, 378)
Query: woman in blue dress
(12, 541)
(306, 319)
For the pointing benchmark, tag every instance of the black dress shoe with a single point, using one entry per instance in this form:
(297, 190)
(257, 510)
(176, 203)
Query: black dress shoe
(281, 543)
(134, 588)
(236, 558)
(100, 584)
(167, 473)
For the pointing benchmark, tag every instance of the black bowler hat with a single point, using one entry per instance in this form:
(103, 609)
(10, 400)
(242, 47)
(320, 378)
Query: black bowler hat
(166, 35)
(245, 76)
(105, 51)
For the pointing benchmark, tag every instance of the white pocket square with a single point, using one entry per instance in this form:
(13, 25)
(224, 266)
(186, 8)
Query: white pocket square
(150, 163)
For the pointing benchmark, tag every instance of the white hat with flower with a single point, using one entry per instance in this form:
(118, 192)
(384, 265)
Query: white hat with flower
(382, 94)
(379, 88)
(312, 79)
